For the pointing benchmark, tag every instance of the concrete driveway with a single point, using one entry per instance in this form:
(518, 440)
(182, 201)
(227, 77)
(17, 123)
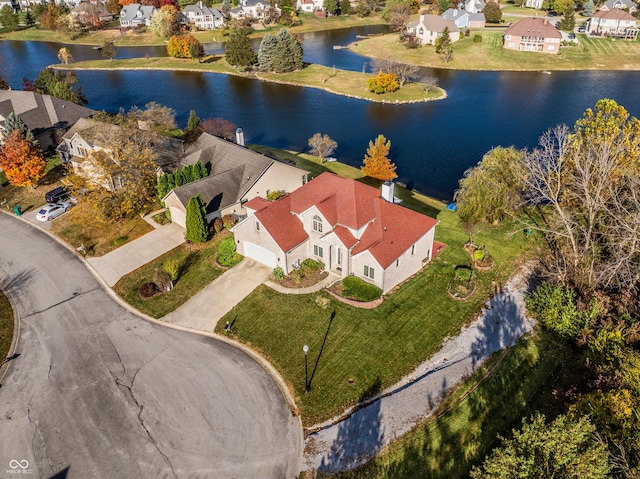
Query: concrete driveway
(128, 257)
(95, 391)
(203, 311)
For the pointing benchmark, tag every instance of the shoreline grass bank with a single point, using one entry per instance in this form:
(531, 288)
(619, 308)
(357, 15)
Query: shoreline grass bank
(331, 80)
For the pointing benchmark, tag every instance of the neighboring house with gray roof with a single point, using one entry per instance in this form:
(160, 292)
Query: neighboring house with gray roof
(236, 175)
(464, 19)
(46, 116)
(628, 5)
(91, 14)
(134, 15)
(428, 28)
(467, 15)
(202, 17)
(88, 136)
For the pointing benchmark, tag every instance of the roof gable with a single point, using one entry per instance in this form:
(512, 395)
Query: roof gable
(390, 229)
(614, 14)
(221, 155)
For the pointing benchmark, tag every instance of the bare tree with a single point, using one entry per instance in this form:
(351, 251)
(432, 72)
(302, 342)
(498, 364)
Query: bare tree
(404, 71)
(322, 146)
(586, 187)
(429, 83)
(399, 16)
(219, 127)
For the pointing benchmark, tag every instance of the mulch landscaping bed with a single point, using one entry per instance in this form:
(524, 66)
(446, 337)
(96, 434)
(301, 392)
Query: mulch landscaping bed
(309, 279)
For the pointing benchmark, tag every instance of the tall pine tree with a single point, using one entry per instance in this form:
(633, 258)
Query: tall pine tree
(376, 162)
(268, 46)
(14, 122)
(237, 50)
(196, 221)
(193, 122)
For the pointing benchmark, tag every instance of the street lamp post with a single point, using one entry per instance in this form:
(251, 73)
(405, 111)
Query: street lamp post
(305, 349)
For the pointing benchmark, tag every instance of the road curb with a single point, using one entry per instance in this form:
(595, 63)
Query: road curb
(271, 371)
(16, 331)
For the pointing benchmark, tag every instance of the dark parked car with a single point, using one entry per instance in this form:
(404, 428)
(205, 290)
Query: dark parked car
(572, 36)
(56, 195)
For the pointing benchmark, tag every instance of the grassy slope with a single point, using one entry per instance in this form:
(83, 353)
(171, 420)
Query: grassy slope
(467, 424)
(370, 347)
(591, 54)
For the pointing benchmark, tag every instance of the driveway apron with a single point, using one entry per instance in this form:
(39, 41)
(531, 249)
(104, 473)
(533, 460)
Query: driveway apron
(203, 311)
(129, 257)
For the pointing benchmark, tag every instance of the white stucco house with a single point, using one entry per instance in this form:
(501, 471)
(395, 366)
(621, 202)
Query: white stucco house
(348, 226)
(613, 23)
(428, 28)
(202, 17)
(309, 6)
(252, 9)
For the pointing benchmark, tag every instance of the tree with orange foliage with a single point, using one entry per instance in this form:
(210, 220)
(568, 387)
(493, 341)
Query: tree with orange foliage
(376, 163)
(124, 3)
(22, 162)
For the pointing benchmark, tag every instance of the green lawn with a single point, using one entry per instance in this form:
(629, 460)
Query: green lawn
(316, 76)
(199, 269)
(367, 348)
(591, 54)
(465, 427)
(6, 325)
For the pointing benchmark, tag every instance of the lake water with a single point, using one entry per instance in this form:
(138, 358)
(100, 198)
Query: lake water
(432, 143)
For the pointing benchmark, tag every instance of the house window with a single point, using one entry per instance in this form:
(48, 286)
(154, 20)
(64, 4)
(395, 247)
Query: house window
(397, 262)
(339, 261)
(413, 250)
(257, 226)
(368, 272)
(317, 224)
(317, 251)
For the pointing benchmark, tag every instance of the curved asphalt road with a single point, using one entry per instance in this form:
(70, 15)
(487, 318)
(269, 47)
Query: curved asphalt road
(99, 392)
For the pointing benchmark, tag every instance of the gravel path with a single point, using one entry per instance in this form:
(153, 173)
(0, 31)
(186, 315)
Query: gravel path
(351, 442)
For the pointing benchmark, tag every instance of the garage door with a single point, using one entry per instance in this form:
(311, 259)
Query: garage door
(260, 254)
(178, 216)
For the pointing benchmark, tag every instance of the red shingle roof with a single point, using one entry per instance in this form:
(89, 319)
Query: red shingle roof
(257, 203)
(393, 232)
(390, 229)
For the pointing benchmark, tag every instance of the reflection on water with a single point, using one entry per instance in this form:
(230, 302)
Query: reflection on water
(432, 143)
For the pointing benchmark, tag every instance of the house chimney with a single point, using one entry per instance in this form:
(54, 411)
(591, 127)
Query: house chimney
(387, 191)
(239, 136)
